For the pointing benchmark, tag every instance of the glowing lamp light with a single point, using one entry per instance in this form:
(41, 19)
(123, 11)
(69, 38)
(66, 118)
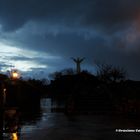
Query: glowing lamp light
(15, 75)
(14, 136)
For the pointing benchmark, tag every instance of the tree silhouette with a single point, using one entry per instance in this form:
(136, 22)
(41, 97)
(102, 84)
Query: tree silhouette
(109, 73)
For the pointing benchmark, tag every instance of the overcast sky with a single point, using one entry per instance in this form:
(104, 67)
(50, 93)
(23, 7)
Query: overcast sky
(39, 36)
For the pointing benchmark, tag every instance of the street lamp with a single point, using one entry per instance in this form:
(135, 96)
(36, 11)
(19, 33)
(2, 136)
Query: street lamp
(15, 74)
(11, 111)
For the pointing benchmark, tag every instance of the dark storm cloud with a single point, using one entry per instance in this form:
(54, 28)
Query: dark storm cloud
(99, 13)
(104, 30)
(20, 58)
(15, 13)
(4, 65)
(39, 60)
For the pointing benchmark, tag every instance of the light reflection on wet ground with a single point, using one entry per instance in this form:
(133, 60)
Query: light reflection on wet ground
(57, 126)
(60, 127)
(29, 129)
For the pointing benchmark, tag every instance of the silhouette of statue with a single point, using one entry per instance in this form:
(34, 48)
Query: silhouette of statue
(78, 62)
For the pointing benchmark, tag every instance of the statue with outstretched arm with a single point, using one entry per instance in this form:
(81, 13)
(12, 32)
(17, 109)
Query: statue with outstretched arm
(78, 62)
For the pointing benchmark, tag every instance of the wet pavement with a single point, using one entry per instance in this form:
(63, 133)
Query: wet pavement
(58, 126)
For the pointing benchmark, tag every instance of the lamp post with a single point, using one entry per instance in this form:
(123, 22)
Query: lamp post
(14, 75)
